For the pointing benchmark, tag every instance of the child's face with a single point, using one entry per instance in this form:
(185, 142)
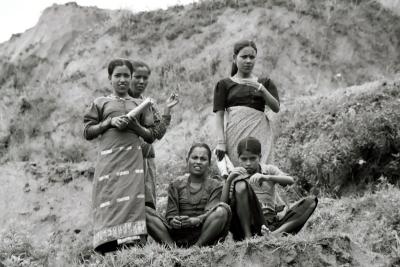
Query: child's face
(249, 161)
(120, 79)
(140, 79)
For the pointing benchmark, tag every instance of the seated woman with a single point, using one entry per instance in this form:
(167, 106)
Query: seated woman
(195, 215)
(250, 190)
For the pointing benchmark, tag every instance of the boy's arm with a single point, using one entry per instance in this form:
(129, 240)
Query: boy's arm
(279, 179)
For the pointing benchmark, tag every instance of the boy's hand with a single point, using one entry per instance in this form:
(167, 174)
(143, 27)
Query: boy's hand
(265, 230)
(236, 172)
(282, 213)
(258, 179)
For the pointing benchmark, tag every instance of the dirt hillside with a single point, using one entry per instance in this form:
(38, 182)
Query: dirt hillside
(336, 65)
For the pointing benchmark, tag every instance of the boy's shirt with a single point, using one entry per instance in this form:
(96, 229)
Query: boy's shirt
(266, 193)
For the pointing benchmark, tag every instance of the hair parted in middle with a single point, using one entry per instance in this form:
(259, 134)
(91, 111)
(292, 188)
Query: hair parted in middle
(203, 145)
(140, 64)
(117, 63)
(249, 144)
(236, 49)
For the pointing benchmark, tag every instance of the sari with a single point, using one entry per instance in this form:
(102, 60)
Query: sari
(118, 194)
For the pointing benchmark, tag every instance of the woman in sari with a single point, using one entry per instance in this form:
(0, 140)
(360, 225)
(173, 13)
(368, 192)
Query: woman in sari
(118, 188)
(242, 100)
(159, 124)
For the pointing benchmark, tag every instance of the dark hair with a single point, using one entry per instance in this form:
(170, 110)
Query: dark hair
(119, 62)
(203, 145)
(140, 64)
(249, 144)
(236, 49)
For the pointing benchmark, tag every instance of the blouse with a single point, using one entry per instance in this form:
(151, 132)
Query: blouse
(228, 93)
(182, 202)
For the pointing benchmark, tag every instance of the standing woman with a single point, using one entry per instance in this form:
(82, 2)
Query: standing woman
(118, 189)
(157, 124)
(243, 97)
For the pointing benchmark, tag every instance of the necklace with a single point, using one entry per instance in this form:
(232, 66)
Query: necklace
(119, 98)
(195, 189)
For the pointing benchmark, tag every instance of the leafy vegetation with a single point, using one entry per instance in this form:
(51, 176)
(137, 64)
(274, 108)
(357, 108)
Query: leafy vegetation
(343, 142)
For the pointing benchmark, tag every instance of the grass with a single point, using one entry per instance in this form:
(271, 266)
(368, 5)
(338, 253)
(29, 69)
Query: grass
(338, 232)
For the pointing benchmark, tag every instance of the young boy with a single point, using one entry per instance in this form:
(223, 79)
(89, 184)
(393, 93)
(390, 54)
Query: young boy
(250, 190)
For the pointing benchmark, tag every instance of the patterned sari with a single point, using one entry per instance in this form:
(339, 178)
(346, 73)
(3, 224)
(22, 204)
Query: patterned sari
(242, 122)
(118, 188)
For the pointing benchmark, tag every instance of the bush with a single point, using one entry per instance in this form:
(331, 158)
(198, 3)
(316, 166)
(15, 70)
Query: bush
(346, 140)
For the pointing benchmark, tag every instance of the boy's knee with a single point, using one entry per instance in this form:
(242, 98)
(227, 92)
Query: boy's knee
(311, 202)
(240, 187)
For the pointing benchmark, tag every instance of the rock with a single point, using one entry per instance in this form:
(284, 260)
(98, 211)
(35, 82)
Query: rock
(27, 188)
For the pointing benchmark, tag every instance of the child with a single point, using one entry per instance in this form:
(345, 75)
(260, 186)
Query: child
(250, 190)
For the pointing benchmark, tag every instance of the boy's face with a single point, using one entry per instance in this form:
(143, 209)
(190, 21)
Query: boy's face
(140, 79)
(249, 161)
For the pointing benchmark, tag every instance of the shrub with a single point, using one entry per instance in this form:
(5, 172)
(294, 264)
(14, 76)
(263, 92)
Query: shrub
(345, 140)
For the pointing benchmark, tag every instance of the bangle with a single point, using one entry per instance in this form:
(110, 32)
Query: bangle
(259, 87)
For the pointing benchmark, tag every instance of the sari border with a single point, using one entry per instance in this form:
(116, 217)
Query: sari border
(119, 231)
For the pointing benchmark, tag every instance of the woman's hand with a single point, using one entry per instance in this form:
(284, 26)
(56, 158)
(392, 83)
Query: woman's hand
(220, 151)
(270, 100)
(120, 122)
(172, 100)
(190, 222)
(255, 84)
(176, 221)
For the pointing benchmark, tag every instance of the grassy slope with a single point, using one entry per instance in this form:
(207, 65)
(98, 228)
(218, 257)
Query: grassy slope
(301, 48)
(340, 232)
(52, 206)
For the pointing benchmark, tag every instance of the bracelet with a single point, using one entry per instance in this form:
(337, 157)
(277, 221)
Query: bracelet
(259, 87)
(222, 142)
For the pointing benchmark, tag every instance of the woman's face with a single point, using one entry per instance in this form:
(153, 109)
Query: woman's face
(140, 79)
(120, 79)
(245, 59)
(198, 161)
(249, 161)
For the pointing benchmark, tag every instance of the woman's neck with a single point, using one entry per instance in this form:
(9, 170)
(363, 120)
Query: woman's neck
(136, 95)
(197, 179)
(120, 95)
(242, 75)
